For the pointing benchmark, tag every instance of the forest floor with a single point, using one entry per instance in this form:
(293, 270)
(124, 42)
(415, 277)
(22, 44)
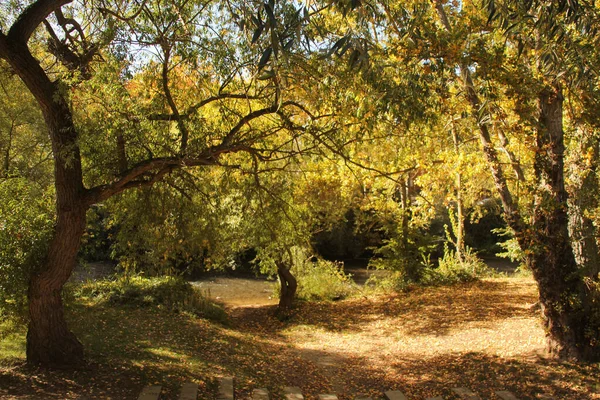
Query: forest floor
(484, 335)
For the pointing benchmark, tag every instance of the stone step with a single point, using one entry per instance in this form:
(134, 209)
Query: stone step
(150, 393)
(189, 391)
(394, 395)
(225, 388)
(465, 394)
(506, 395)
(292, 393)
(328, 397)
(260, 394)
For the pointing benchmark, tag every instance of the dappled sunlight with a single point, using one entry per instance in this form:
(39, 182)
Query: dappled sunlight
(358, 346)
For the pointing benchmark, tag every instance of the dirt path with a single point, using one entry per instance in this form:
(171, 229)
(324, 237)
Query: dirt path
(483, 335)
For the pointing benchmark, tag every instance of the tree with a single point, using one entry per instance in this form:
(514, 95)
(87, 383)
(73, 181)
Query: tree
(569, 295)
(528, 60)
(181, 36)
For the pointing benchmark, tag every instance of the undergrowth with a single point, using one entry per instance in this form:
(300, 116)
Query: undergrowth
(323, 280)
(172, 293)
(451, 269)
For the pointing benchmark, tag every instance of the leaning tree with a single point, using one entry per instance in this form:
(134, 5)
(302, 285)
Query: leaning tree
(176, 85)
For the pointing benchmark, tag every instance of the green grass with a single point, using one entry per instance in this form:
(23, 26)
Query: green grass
(12, 341)
(174, 294)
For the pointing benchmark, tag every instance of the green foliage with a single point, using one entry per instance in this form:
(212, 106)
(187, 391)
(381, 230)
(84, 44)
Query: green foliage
(454, 269)
(26, 220)
(451, 269)
(12, 339)
(511, 247)
(394, 282)
(322, 280)
(317, 279)
(172, 293)
(406, 253)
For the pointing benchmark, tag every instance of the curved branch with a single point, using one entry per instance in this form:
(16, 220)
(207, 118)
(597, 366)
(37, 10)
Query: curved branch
(197, 106)
(32, 17)
(146, 173)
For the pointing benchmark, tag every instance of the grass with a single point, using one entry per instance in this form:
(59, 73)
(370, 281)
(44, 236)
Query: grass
(482, 335)
(12, 341)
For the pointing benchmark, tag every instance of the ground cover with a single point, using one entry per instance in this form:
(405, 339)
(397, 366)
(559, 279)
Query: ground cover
(484, 335)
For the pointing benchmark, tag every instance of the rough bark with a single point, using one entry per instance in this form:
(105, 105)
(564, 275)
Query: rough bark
(583, 195)
(460, 219)
(49, 340)
(288, 287)
(121, 153)
(567, 304)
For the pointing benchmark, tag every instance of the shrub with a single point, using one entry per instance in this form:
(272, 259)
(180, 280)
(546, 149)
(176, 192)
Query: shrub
(452, 269)
(26, 220)
(511, 247)
(170, 292)
(396, 281)
(322, 280)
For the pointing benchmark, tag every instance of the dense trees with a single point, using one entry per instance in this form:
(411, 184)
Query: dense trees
(257, 96)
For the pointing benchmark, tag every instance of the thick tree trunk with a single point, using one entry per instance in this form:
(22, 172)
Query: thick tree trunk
(569, 307)
(288, 287)
(49, 341)
(583, 196)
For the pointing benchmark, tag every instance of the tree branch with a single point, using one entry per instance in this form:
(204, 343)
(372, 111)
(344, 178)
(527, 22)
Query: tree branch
(32, 17)
(197, 106)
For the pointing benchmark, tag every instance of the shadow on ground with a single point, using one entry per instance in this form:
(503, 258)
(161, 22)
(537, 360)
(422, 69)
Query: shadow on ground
(129, 348)
(432, 311)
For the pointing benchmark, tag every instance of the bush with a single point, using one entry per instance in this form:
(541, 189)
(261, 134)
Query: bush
(452, 269)
(172, 293)
(322, 280)
(394, 282)
(26, 220)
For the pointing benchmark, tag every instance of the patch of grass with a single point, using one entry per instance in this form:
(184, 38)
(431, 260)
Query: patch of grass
(12, 340)
(172, 293)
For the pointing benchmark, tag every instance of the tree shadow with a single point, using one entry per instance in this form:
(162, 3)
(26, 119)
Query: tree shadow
(433, 311)
(130, 348)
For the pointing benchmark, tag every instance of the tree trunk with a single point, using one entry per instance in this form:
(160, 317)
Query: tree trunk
(49, 341)
(288, 287)
(570, 308)
(583, 194)
(460, 218)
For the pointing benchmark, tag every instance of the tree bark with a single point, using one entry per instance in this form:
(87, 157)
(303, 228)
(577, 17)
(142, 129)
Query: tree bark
(460, 218)
(49, 340)
(583, 194)
(570, 308)
(288, 287)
